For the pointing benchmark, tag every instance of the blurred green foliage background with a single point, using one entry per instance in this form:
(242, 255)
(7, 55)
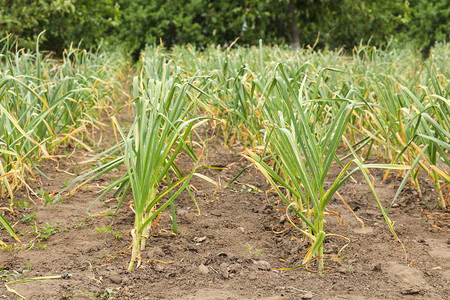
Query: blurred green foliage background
(134, 24)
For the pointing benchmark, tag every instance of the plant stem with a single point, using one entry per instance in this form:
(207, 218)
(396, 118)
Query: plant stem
(146, 231)
(439, 191)
(320, 252)
(136, 241)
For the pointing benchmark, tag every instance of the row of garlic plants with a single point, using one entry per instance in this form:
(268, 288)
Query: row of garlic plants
(291, 114)
(48, 103)
(297, 113)
(405, 119)
(165, 105)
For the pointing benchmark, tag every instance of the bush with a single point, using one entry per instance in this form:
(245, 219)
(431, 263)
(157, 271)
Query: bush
(134, 24)
(430, 23)
(65, 21)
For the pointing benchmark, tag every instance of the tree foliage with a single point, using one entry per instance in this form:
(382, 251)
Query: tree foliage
(65, 21)
(430, 22)
(134, 24)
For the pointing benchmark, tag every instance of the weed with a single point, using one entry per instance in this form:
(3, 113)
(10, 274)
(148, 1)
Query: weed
(246, 189)
(22, 204)
(28, 218)
(107, 294)
(66, 183)
(254, 252)
(91, 267)
(40, 192)
(79, 225)
(6, 274)
(105, 228)
(48, 230)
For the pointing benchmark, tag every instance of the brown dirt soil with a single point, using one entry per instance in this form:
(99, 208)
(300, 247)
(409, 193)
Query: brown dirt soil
(233, 248)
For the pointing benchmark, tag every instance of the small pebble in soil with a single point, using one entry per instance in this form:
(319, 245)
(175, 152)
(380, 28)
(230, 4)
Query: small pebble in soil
(159, 267)
(200, 239)
(115, 279)
(155, 252)
(203, 269)
(234, 268)
(262, 265)
(224, 270)
(412, 291)
(377, 267)
(182, 212)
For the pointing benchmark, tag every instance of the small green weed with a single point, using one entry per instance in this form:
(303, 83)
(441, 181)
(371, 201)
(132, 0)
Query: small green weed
(48, 230)
(107, 294)
(28, 218)
(22, 203)
(254, 252)
(66, 183)
(45, 232)
(6, 274)
(40, 192)
(246, 189)
(79, 225)
(105, 228)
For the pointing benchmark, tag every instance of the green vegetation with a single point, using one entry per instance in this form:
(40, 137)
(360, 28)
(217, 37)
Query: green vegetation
(430, 22)
(294, 114)
(46, 104)
(5, 275)
(135, 24)
(65, 22)
(108, 229)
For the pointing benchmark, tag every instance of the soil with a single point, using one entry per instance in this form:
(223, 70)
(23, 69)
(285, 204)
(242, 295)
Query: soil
(233, 249)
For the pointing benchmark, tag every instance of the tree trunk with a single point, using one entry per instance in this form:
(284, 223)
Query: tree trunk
(295, 42)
